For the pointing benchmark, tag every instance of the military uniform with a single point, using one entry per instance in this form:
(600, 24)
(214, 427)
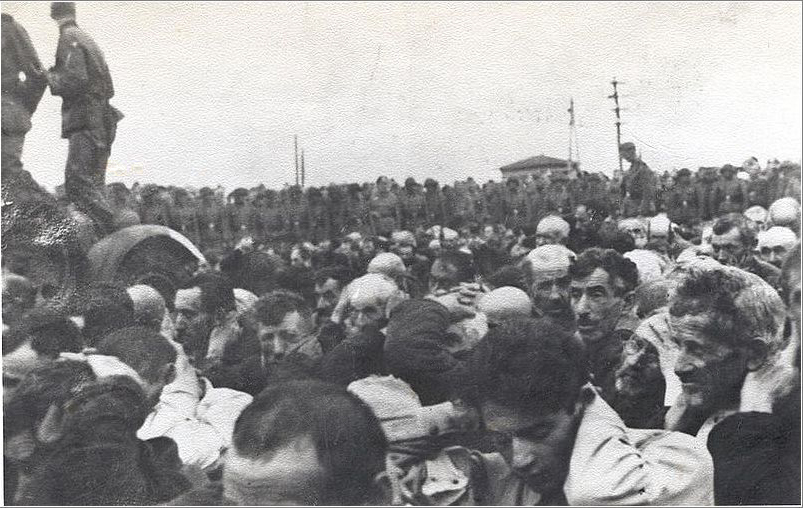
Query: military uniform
(89, 122)
(639, 188)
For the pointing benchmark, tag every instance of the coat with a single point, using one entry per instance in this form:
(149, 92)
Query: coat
(20, 98)
(82, 79)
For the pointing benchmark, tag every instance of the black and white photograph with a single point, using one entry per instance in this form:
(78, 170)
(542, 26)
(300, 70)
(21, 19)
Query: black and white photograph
(402, 253)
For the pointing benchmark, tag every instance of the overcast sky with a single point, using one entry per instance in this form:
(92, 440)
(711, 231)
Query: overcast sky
(213, 92)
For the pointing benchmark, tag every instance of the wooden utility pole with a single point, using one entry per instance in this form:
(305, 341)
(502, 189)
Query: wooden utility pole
(574, 148)
(617, 109)
(295, 145)
(302, 167)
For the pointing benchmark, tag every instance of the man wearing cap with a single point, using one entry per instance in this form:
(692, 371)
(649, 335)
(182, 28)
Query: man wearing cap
(639, 185)
(682, 205)
(729, 192)
(774, 244)
(81, 77)
(547, 272)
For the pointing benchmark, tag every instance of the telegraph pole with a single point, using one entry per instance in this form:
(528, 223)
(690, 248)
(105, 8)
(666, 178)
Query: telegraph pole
(574, 148)
(617, 109)
(302, 167)
(295, 145)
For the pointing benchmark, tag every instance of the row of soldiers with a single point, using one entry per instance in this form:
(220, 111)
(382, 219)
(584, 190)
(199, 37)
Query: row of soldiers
(212, 220)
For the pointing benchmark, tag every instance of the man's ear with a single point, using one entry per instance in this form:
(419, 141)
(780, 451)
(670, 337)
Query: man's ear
(51, 429)
(756, 351)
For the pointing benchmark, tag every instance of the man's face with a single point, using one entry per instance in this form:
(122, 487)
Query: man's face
(773, 250)
(712, 372)
(488, 232)
(728, 247)
(364, 311)
(442, 276)
(640, 370)
(404, 251)
(636, 230)
(597, 305)
(278, 341)
(537, 447)
(188, 310)
(548, 238)
(382, 185)
(628, 154)
(291, 475)
(327, 295)
(17, 364)
(550, 291)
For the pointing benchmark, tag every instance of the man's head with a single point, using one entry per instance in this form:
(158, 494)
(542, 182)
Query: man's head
(107, 307)
(199, 307)
(627, 151)
(449, 270)
(602, 284)
(403, 244)
(547, 269)
(683, 177)
(785, 212)
(283, 323)
(757, 217)
(551, 230)
(370, 298)
(774, 244)
(301, 256)
(62, 12)
(639, 380)
(728, 172)
(388, 264)
(41, 335)
(526, 381)
(505, 303)
(304, 443)
(790, 285)
(732, 240)
(637, 230)
(19, 296)
(149, 306)
(151, 356)
(382, 184)
(329, 284)
(726, 322)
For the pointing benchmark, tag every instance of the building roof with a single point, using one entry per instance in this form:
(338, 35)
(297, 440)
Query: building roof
(537, 162)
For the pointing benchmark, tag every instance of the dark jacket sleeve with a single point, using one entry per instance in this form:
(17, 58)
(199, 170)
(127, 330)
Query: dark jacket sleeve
(70, 76)
(751, 463)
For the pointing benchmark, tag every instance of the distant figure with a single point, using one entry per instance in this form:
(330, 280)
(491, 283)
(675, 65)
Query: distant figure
(23, 85)
(82, 79)
(639, 186)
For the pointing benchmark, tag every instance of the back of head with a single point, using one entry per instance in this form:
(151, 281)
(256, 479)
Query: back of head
(217, 292)
(149, 306)
(347, 436)
(388, 264)
(650, 266)
(553, 225)
(785, 212)
(505, 303)
(527, 363)
(144, 350)
(48, 331)
(107, 307)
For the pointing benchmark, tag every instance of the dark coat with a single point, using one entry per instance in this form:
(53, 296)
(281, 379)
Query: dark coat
(20, 98)
(82, 79)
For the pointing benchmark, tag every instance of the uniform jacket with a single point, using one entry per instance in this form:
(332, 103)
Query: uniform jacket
(20, 98)
(82, 79)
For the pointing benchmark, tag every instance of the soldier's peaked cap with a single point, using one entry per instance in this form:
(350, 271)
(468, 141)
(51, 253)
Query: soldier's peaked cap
(62, 9)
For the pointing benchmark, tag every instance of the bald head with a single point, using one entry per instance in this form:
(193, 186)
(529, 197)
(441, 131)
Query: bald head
(504, 303)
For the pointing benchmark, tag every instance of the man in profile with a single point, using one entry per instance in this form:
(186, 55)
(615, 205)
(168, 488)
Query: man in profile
(82, 79)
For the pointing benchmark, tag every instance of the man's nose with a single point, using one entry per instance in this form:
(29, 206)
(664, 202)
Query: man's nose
(581, 306)
(278, 348)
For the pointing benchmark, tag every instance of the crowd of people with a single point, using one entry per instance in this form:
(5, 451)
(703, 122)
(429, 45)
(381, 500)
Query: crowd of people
(461, 345)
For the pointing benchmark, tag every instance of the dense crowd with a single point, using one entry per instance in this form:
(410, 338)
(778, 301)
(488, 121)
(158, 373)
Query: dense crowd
(537, 341)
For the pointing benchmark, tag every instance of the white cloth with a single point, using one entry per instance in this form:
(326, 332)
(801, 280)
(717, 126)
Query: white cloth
(200, 420)
(612, 464)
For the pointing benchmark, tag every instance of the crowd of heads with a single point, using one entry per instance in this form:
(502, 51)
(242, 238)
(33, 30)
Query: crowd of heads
(338, 357)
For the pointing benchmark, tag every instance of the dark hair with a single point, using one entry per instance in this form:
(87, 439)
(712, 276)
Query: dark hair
(143, 350)
(49, 331)
(107, 307)
(735, 220)
(509, 275)
(461, 261)
(713, 291)
(337, 272)
(297, 279)
(347, 436)
(620, 241)
(616, 265)
(271, 308)
(217, 292)
(527, 363)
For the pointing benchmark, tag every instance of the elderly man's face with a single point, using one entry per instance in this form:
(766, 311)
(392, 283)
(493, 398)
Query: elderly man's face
(597, 304)
(774, 251)
(278, 341)
(711, 371)
(728, 247)
(442, 276)
(365, 311)
(636, 231)
(17, 364)
(550, 291)
(192, 326)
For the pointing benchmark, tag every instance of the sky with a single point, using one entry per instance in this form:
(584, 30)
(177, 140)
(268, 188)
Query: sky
(213, 92)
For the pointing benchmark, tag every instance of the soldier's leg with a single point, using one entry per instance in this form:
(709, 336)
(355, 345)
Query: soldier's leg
(85, 161)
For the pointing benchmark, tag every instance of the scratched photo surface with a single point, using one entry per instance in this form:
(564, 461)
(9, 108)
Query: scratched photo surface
(401, 253)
